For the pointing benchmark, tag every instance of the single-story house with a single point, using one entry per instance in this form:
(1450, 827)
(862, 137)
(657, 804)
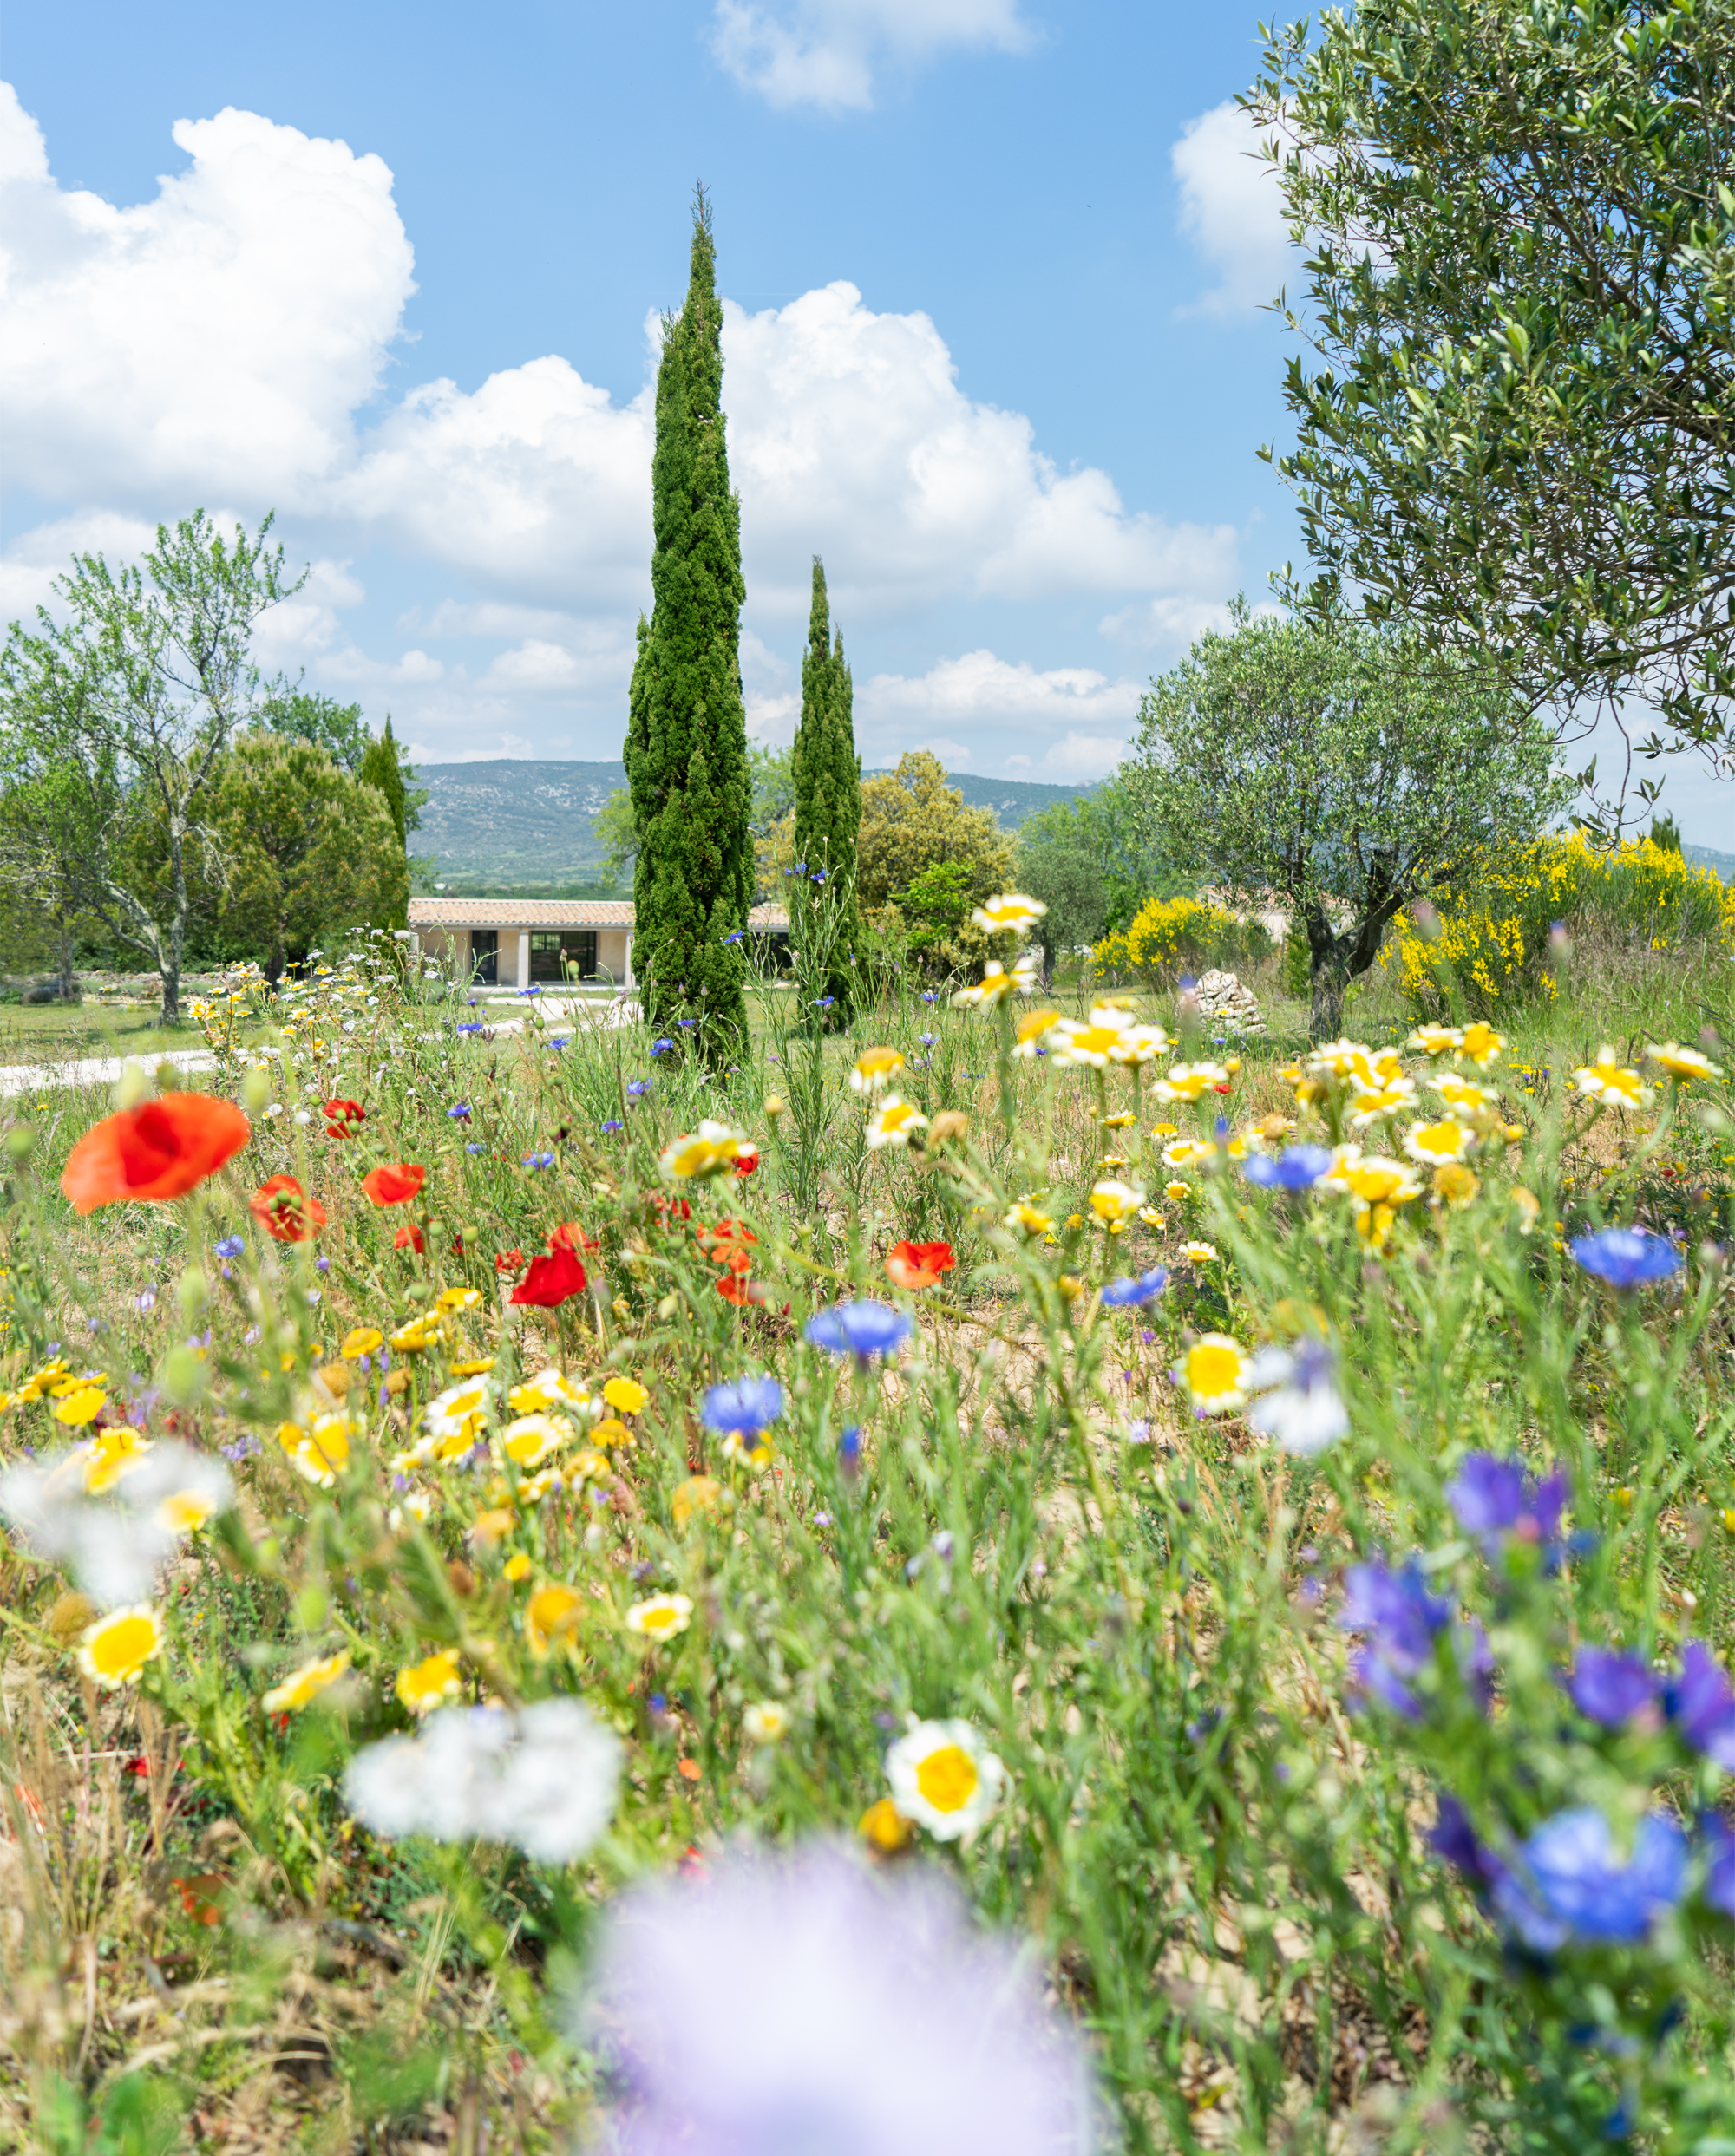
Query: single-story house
(521, 943)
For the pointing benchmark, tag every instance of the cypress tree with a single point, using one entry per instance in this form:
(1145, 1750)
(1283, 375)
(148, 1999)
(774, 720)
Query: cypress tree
(828, 779)
(381, 768)
(686, 739)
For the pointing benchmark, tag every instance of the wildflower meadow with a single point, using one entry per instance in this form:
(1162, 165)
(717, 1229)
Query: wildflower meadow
(1022, 1576)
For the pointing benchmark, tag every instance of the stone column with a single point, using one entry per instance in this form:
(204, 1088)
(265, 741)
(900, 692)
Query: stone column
(627, 985)
(524, 957)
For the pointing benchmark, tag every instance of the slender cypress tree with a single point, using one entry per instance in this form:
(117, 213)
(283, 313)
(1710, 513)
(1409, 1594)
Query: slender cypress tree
(686, 741)
(828, 779)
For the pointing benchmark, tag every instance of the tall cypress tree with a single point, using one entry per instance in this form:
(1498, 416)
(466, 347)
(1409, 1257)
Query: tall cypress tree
(686, 741)
(828, 780)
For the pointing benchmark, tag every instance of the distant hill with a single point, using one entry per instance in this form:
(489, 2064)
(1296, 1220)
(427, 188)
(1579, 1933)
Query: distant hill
(513, 820)
(1708, 857)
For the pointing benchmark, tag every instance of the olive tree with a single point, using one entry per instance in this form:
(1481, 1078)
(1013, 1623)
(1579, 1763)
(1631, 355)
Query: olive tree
(1345, 770)
(115, 715)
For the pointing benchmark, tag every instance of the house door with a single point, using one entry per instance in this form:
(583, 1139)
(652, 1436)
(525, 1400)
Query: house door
(485, 956)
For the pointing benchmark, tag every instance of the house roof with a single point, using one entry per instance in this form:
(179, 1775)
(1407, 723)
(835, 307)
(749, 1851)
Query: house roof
(552, 913)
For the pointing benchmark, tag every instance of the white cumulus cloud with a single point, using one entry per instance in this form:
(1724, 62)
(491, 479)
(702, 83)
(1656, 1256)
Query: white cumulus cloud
(993, 699)
(1232, 209)
(827, 53)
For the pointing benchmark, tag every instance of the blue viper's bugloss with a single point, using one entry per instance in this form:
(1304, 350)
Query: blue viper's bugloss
(1625, 1257)
(743, 1409)
(863, 1329)
(1572, 1886)
(1610, 1687)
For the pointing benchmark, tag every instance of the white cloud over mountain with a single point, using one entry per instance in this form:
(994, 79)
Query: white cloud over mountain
(827, 53)
(228, 342)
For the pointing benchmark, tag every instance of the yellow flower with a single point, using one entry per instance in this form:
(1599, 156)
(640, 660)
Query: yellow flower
(945, 1778)
(1214, 1370)
(429, 1684)
(1143, 1044)
(303, 1685)
(713, 1150)
(1374, 1224)
(552, 1613)
(1186, 1081)
(894, 1123)
(885, 1828)
(1367, 1105)
(1456, 1184)
(1188, 1153)
(458, 1299)
(1149, 1214)
(1435, 1039)
(112, 1453)
(1011, 911)
(528, 1441)
(363, 1340)
(81, 1406)
(1091, 1044)
(418, 1334)
(117, 1647)
(1342, 1060)
(183, 1510)
(1611, 1083)
(1028, 1218)
(1430, 1143)
(477, 1366)
(626, 1394)
(875, 1067)
(754, 1452)
(1165, 1130)
(516, 1567)
(1032, 1031)
(1528, 1206)
(460, 1414)
(319, 1453)
(494, 1525)
(39, 1381)
(1466, 1100)
(1125, 1121)
(1111, 1201)
(612, 1431)
(548, 1389)
(1481, 1044)
(997, 983)
(766, 1722)
(1199, 1253)
(661, 1617)
(699, 1494)
(1683, 1063)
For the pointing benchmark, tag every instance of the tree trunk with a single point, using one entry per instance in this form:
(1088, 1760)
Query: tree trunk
(1325, 1018)
(68, 986)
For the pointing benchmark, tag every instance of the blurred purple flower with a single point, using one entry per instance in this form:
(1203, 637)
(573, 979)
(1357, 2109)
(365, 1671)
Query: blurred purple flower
(1496, 1501)
(1399, 1620)
(1610, 1687)
(1571, 1886)
(1625, 1257)
(1297, 1167)
(864, 1329)
(1701, 1705)
(800, 2003)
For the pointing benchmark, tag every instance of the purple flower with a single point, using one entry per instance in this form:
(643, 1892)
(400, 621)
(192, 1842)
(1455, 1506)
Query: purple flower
(800, 2001)
(147, 1301)
(735, 936)
(1453, 1838)
(459, 1111)
(1625, 1257)
(1701, 1705)
(1297, 1167)
(1400, 1620)
(1493, 1498)
(474, 1147)
(559, 1040)
(687, 1023)
(744, 1408)
(1136, 1289)
(472, 1026)
(637, 1088)
(1610, 1687)
(849, 1451)
(231, 1246)
(539, 1160)
(1569, 1886)
(863, 1329)
(615, 1125)
(661, 1048)
(1720, 1863)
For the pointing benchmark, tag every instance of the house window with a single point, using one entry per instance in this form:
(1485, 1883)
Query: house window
(578, 946)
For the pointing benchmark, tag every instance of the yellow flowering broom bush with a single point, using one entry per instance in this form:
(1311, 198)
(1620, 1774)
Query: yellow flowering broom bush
(1169, 937)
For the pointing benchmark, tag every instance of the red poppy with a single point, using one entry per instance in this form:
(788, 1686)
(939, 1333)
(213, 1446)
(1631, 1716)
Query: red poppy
(343, 1118)
(671, 1208)
(919, 1265)
(746, 1158)
(508, 1261)
(159, 1150)
(747, 1293)
(409, 1237)
(284, 1211)
(394, 1183)
(551, 1280)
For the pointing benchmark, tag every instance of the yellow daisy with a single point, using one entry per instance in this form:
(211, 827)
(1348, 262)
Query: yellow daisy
(117, 1647)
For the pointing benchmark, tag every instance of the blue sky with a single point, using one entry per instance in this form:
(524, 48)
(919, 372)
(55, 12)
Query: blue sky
(996, 346)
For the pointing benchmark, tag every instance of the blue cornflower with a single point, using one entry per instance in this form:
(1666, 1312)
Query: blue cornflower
(1297, 1167)
(800, 869)
(560, 1040)
(661, 1048)
(231, 1246)
(822, 1003)
(819, 876)
(322, 1264)
(539, 1160)
(745, 1408)
(615, 1125)
(1401, 1620)
(927, 1040)
(148, 1301)
(1570, 1886)
(1625, 1257)
(688, 1023)
(459, 1111)
(863, 1329)
(472, 1027)
(1138, 1288)
(735, 936)
(474, 1147)
(930, 996)
(637, 1088)
(849, 1451)
(1719, 1864)
(1611, 1688)
(534, 989)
